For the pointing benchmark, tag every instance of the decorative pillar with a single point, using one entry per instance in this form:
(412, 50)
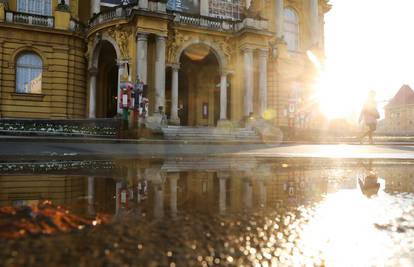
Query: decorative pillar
(223, 95)
(118, 187)
(93, 72)
(174, 95)
(262, 82)
(158, 200)
(248, 81)
(314, 22)
(248, 193)
(95, 7)
(160, 72)
(142, 55)
(173, 177)
(91, 195)
(262, 193)
(279, 18)
(121, 75)
(222, 191)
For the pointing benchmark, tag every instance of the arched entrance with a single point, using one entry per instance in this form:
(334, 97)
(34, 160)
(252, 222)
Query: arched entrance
(199, 86)
(107, 81)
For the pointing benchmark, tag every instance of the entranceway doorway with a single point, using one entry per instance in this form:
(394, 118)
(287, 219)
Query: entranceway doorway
(107, 82)
(199, 87)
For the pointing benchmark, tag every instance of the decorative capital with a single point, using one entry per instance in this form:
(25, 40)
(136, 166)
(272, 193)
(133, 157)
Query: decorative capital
(93, 71)
(142, 36)
(263, 52)
(223, 175)
(247, 49)
(226, 72)
(175, 66)
(161, 38)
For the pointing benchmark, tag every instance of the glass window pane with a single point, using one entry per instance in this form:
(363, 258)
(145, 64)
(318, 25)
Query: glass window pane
(29, 73)
(291, 29)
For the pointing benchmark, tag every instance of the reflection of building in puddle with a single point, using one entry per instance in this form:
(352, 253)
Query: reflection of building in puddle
(227, 185)
(398, 178)
(207, 185)
(24, 190)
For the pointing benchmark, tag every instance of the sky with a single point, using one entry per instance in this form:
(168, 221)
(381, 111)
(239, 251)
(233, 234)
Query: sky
(369, 46)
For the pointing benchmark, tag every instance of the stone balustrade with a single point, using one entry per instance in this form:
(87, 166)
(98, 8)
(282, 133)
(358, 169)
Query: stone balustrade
(30, 19)
(205, 22)
(116, 13)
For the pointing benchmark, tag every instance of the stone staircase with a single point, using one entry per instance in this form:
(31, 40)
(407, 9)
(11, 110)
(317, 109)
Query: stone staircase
(209, 134)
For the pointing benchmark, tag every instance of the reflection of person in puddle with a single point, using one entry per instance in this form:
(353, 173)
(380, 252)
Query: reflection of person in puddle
(369, 185)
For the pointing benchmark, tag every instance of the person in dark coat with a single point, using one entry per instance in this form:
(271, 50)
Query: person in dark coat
(369, 116)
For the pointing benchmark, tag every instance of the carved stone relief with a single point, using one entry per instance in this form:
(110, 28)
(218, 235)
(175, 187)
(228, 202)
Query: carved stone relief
(176, 39)
(121, 36)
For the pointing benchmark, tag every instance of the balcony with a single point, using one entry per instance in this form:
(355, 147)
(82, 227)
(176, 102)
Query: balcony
(30, 19)
(205, 22)
(117, 13)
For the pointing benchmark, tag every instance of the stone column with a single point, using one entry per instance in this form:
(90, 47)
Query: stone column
(222, 191)
(248, 193)
(95, 7)
(223, 95)
(248, 81)
(118, 200)
(174, 95)
(279, 18)
(262, 82)
(158, 200)
(121, 70)
(262, 193)
(93, 72)
(173, 177)
(314, 21)
(91, 195)
(142, 55)
(160, 72)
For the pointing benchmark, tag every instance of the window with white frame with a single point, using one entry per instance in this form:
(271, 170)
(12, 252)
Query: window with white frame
(38, 7)
(291, 29)
(29, 68)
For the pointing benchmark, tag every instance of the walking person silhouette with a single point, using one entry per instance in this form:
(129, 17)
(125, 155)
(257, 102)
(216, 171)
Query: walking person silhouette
(369, 116)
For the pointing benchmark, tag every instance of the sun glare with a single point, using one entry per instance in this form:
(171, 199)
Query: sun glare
(333, 99)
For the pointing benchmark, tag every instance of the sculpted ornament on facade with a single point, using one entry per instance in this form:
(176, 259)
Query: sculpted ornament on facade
(177, 39)
(121, 37)
(225, 45)
(174, 42)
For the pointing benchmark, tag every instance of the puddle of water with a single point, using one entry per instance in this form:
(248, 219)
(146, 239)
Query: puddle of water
(207, 211)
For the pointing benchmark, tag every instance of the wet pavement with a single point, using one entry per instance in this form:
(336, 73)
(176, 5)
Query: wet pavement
(217, 212)
(86, 151)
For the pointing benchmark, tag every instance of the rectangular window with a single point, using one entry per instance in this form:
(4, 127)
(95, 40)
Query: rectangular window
(38, 7)
(225, 9)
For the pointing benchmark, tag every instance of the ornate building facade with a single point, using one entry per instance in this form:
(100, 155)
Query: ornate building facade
(205, 62)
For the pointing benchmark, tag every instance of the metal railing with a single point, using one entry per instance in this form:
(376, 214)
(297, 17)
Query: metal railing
(205, 22)
(30, 19)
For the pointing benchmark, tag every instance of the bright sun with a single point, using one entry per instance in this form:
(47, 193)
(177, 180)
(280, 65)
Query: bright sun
(336, 94)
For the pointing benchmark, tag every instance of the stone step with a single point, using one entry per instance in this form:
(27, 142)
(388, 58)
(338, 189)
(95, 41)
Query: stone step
(209, 133)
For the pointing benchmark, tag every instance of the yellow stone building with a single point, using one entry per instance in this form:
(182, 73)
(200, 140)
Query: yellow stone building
(205, 62)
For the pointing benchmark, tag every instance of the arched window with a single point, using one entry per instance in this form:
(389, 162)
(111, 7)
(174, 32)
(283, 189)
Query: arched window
(29, 73)
(291, 29)
(39, 7)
